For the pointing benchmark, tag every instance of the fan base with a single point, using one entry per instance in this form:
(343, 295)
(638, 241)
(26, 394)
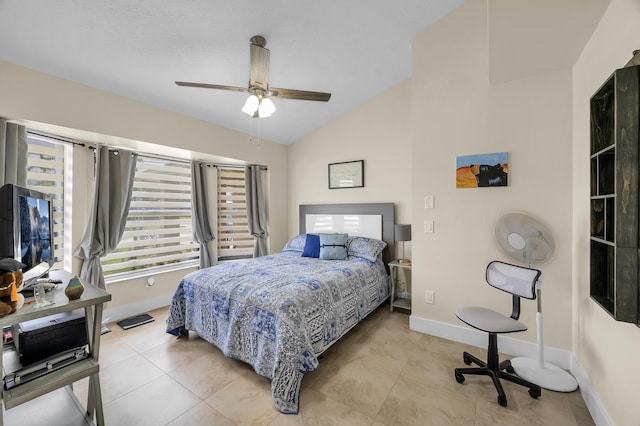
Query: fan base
(550, 377)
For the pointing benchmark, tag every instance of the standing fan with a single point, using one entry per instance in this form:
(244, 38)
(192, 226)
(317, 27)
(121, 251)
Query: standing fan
(528, 241)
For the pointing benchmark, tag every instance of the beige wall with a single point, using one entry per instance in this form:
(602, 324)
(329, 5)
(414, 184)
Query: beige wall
(605, 349)
(379, 133)
(542, 121)
(456, 111)
(61, 107)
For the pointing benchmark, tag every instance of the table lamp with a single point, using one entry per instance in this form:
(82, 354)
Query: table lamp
(403, 233)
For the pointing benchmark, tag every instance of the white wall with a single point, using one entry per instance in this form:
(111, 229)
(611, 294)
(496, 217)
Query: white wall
(606, 350)
(61, 107)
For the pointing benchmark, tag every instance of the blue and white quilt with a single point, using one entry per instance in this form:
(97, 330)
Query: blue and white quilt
(278, 312)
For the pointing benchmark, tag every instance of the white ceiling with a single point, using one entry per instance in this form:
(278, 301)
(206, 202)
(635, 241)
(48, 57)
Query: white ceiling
(354, 49)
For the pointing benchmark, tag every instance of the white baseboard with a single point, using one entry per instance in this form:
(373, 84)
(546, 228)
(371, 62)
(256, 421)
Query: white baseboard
(507, 345)
(138, 308)
(597, 411)
(473, 337)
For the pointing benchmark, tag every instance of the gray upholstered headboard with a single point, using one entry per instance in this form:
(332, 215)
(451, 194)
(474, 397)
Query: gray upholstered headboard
(386, 210)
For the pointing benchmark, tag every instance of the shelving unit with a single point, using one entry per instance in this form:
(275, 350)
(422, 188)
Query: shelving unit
(615, 118)
(91, 301)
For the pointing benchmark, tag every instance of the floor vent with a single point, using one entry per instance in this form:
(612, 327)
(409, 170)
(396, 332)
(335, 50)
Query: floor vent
(135, 321)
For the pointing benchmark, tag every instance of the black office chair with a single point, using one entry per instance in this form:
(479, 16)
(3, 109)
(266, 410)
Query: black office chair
(520, 282)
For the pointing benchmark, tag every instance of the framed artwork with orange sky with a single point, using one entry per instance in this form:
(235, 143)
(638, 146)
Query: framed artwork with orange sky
(482, 170)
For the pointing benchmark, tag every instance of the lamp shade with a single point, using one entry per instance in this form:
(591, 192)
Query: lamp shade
(266, 108)
(258, 107)
(251, 105)
(402, 232)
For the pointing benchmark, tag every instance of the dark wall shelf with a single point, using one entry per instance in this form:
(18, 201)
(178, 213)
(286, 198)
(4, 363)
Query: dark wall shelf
(615, 137)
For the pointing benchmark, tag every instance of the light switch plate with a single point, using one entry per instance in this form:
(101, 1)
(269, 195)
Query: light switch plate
(429, 201)
(428, 226)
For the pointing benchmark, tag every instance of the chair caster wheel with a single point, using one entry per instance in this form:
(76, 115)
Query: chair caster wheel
(535, 394)
(466, 359)
(502, 400)
(459, 378)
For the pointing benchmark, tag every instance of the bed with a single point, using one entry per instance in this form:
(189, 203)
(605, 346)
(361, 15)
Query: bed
(279, 312)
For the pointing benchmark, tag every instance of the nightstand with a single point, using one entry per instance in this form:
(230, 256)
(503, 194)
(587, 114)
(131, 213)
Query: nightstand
(394, 265)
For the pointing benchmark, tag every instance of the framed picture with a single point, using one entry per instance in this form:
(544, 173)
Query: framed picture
(349, 174)
(482, 170)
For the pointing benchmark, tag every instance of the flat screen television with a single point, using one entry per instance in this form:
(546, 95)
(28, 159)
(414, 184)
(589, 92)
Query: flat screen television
(26, 226)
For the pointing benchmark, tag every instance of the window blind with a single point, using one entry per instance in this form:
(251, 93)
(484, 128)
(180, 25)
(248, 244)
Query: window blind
(158, 233)
(234, 240)
(45, 173)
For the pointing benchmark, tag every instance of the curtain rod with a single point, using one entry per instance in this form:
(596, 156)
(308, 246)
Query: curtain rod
(234, 166)
(55, 137)
(144, 154)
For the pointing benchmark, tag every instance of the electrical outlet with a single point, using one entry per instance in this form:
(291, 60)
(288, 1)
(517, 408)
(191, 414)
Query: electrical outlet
(429, 297)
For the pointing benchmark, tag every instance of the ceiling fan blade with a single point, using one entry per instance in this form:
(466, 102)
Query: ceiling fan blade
(212, 86)
(300, 94)
(259, 74)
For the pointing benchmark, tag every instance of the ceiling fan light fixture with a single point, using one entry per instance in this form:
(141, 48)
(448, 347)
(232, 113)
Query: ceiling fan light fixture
(251, 105)
(266, 108)
(258, 107)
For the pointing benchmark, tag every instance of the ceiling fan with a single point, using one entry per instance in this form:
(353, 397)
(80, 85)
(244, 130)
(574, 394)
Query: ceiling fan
(258, 104)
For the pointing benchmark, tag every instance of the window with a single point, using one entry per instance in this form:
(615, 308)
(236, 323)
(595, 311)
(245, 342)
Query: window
(234, 240)
(158, 233)
(45, 173)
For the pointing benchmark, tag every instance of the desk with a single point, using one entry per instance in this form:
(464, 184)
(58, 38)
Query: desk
(398, 303)
(92, 301)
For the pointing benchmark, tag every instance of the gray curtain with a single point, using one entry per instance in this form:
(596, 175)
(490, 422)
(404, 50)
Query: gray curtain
(113, 185)
(256, 210)
(202, 233)
(13, 153)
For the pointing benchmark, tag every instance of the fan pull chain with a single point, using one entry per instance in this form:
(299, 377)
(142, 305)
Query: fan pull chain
(250, 140)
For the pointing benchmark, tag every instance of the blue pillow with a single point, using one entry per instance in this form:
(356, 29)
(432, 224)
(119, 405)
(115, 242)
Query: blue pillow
(333, 246)
(312, 246)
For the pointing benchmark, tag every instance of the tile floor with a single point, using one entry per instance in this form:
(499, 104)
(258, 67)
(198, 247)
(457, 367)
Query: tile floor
(381, 373)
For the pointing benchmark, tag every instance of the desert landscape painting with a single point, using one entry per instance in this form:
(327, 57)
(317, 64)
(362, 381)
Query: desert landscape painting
(482, 170)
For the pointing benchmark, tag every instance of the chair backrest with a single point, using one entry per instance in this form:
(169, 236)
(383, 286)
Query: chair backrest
(517, 280)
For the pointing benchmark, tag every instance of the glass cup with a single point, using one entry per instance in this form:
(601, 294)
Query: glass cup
(39, 294)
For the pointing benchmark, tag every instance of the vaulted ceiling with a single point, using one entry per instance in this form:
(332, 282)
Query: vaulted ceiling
(354, 49)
